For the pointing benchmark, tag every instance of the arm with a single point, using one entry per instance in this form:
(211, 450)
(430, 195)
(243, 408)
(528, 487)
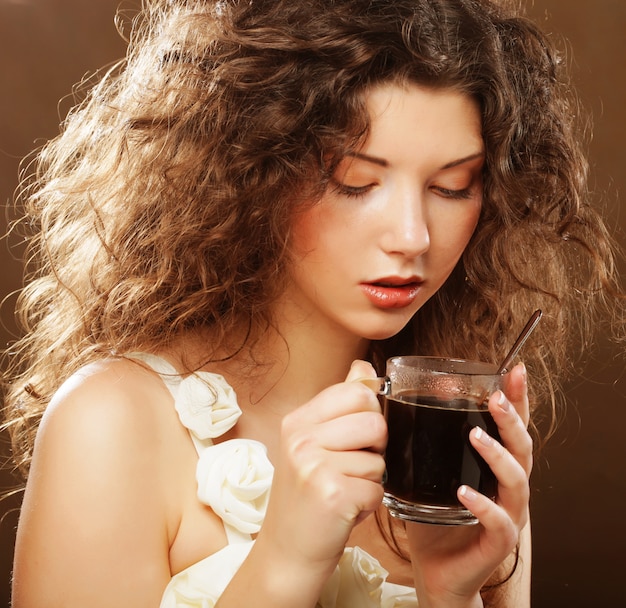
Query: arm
(516, 591)
(93, 526)
(452, 565)
(327, 479)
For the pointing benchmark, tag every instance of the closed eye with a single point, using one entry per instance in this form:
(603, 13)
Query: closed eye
(464, 194)
(352, 191)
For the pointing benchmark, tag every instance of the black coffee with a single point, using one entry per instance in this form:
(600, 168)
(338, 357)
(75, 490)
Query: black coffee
(429, 455)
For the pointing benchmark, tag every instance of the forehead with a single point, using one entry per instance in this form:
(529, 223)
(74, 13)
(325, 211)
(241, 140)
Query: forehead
(429, 116)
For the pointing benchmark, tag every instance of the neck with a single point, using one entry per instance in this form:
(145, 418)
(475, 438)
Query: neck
(288, 366)
(309, 364)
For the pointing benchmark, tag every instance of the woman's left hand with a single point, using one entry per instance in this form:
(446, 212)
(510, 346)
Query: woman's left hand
(452, 563)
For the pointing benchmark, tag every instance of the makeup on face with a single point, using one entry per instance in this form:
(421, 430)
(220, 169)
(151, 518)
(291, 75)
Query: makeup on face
(396, 216)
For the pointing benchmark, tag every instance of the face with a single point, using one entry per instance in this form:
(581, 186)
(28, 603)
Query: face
(396, 219)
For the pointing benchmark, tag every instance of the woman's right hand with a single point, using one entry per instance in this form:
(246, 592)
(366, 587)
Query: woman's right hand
(328, 477)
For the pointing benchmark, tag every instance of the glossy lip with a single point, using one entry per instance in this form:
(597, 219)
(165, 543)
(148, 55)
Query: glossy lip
(392, 292)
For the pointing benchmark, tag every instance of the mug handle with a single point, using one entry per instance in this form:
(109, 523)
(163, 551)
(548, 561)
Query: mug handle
(380, 386)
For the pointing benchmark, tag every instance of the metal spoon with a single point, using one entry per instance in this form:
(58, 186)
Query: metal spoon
(521, 340)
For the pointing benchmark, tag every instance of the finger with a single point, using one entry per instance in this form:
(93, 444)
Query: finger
(360, 464)
(333, 402)
(323, 470)
(357, 431)
(516, 390)
(368, 497)
(513, 486)
(348, 494)
(360, 369)
(512, 429)
(501, 533)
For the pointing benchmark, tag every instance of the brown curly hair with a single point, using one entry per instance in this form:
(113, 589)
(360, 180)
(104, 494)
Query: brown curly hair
(165, 203)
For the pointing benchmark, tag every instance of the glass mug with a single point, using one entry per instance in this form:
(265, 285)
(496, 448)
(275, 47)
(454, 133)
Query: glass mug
(430, 405)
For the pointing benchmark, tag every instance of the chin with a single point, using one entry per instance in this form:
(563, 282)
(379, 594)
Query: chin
(383, 333)
(380, 336)
(377, 325)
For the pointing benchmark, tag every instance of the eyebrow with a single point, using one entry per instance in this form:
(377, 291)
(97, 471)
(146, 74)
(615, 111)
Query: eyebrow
(383, 163)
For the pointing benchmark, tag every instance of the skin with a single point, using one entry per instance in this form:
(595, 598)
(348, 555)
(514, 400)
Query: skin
(112, 486)
(404, 207)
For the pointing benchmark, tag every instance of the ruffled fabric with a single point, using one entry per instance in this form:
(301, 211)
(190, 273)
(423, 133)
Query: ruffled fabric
(234, 479)
(357, 582)
(207, 405)
(202, 584)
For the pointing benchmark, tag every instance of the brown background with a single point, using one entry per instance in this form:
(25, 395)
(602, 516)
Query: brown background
(579, 484)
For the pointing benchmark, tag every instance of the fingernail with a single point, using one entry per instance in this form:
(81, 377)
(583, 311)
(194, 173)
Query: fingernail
(524, 372)
(503, 402)
(483, 437)
(467, 493)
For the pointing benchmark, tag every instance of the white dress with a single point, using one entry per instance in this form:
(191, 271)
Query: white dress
(234, 479)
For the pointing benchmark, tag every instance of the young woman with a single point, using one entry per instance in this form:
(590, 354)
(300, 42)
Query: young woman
(264, 202)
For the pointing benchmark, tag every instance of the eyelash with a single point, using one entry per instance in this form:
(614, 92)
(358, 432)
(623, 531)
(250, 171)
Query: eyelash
(359, 191)
(352, 191)
(458, 195)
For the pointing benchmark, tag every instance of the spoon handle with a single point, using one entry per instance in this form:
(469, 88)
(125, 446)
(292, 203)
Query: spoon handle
(532, 323)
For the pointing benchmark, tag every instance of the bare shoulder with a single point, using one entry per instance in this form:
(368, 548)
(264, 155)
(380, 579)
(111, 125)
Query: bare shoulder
(109, 415)
(106, 464)
(119, 386)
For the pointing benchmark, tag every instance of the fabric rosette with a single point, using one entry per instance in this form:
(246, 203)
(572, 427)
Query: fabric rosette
(207, 405)
(234, 479)
(360, 580)
(357, 581)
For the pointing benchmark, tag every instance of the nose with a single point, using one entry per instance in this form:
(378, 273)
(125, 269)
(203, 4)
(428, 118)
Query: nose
(405, 225)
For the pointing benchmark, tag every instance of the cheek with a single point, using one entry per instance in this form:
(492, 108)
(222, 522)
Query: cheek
(455, 235)
(318, 231)
(305, 232)
(469, 223)
(470, 226)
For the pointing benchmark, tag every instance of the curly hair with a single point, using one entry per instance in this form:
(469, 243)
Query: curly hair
(165, 203)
